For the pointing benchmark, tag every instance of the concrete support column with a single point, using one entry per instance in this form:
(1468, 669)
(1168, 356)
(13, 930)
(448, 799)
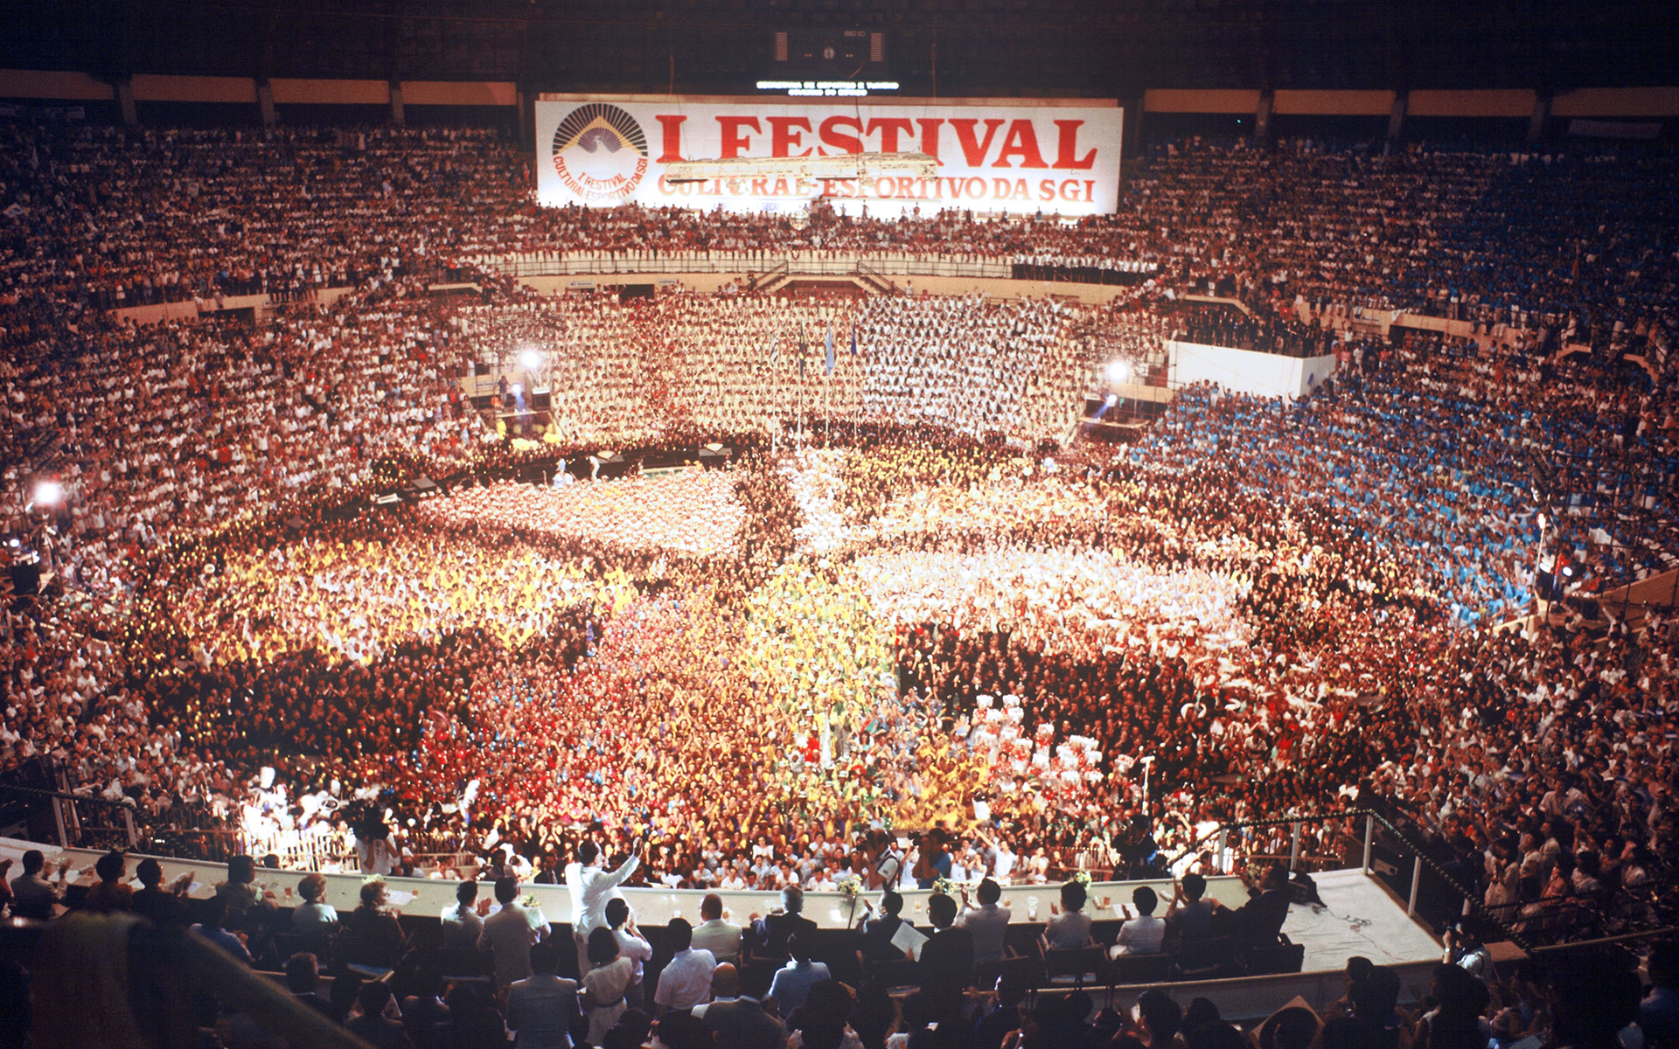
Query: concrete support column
(1132, 143)
(396, 103)
(1541, 115)
(1396, 116)
(265, 103)
(1262, 116)
(526, 102)
(125, 101)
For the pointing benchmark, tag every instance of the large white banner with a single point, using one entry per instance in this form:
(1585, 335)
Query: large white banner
(1050, 156)
(1247, 371)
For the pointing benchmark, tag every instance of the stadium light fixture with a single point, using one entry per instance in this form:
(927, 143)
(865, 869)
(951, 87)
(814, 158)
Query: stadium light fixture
(531, 359)
(48, 492)
(1119, 371)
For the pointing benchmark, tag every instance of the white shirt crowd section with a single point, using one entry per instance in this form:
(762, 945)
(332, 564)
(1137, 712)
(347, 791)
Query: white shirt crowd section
(628, 369)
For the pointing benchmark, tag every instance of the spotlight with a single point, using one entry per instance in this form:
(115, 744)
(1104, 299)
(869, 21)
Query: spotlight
(1111, 400)
(531, 359)
(48, 492)
(1119, 371)
(516, 389)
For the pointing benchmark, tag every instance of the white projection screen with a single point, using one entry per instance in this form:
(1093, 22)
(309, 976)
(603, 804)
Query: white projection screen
(1021, 156)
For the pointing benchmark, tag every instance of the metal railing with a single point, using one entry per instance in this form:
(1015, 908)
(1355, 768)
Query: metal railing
(773, 273)
(879, 280)
(1395, 854)
(76, 821)
(1232, 842)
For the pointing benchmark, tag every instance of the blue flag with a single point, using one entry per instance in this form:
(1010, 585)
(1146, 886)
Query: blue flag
(829, 359)
(854, 340)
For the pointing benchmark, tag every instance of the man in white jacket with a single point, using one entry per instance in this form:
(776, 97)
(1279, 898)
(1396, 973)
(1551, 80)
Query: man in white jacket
(591, 889)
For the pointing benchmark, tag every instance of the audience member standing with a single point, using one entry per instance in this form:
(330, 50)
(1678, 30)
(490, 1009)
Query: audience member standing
(685, 981)
(511, 932)
(543, 1008)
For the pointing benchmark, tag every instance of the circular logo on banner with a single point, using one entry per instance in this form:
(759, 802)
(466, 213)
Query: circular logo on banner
(600, 153)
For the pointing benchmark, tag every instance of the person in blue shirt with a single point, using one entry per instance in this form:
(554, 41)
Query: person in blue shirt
(215, 913)
(934, 861)
(792, 983)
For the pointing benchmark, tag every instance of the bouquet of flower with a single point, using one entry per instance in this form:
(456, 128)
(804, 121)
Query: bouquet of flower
(851, 888)
(1082, 877)
(944, 887)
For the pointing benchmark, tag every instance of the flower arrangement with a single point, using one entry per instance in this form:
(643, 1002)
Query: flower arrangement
(851, 888)
(944, 887)
(1082, 877)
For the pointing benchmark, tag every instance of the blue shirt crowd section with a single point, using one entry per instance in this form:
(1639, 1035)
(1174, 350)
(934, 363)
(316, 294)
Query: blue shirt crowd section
(1452, 458)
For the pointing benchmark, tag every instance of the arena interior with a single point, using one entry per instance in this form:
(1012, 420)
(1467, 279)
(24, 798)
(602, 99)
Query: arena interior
(841, 525)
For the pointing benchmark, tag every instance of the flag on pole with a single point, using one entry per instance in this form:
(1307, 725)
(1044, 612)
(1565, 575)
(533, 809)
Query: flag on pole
(775, 347)
(828, 360)
(854, 340)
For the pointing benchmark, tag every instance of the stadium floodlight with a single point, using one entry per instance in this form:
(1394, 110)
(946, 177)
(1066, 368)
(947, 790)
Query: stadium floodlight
(843, 166)
(1119, 371)
(531, 359)
(48, 493)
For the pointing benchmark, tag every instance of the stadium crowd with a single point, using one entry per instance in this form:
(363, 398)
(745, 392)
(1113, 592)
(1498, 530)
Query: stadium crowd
(1510, 240)
(771, 673)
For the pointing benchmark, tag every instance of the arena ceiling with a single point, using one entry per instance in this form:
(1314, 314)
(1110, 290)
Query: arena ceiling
(948, 47)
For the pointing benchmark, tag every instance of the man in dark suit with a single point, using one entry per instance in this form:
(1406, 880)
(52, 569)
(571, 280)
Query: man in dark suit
(303, 976)
(769, 933)
(1004, 1017)
(947, 958)
(738, 1021)
(1260, 920)
(876, 945)
(543, 1008)
(371, 1026)
(161, 906)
